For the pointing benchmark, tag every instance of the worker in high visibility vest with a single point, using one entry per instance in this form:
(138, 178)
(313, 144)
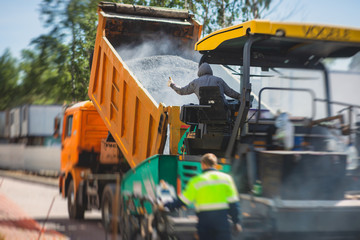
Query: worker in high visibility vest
(214, 196)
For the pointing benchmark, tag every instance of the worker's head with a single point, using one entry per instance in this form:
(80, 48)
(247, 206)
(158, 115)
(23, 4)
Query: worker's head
(204, 69)
(208, 160)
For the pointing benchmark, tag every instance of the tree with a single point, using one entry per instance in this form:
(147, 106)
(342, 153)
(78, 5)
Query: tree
(253, 9)
(46, 79)
(58, 68)
(71, 38)
(216, 14)
(9, 76)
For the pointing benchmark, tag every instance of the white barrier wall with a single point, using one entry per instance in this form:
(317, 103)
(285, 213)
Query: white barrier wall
(32, 158)
(12, 156)
(345, 88)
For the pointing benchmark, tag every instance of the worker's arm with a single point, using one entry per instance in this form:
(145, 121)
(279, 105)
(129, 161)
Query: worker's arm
(188, 89)
(233, 200)
(228, 91)
(234, 212)
(185, 198)
(175, 204)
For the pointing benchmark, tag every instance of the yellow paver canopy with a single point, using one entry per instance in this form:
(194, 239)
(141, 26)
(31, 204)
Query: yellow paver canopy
(280, 44)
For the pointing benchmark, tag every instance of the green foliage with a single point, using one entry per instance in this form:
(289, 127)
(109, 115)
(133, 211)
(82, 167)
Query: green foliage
(217, 14)
(57, 69)
(9, 76)
(46, 77)
(62, 56)
(214, 14)
(253, 9)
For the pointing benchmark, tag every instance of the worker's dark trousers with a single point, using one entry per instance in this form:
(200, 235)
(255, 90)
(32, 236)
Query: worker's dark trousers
(214, 225)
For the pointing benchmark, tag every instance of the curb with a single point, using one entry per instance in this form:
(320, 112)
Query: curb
(22, 176)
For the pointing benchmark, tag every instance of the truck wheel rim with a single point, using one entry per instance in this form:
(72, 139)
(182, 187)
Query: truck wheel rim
(72, 199)
(107, 214)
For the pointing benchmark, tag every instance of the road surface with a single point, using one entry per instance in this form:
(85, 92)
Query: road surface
(36, 199)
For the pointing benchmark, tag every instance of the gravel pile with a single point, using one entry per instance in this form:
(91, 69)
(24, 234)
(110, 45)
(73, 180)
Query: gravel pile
(153, 72)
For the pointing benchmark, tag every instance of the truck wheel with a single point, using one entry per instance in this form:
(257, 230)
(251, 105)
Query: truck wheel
(107, 199)
(129, 227)
(75, 210)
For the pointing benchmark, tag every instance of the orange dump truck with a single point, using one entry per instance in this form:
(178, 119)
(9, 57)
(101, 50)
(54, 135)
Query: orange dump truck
(122, 125)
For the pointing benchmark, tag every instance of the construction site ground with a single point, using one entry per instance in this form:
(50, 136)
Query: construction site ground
(15, 223)
(32, 208)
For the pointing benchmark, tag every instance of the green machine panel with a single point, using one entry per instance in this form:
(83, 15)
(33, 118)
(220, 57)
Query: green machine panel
(143, 179)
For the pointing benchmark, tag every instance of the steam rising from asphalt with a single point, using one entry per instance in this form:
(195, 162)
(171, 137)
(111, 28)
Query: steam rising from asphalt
(154, 72)
(153, 62)
(161, 46)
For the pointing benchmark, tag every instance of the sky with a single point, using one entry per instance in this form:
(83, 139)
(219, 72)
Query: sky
(20, 19)
(334, 12)
(19, 24)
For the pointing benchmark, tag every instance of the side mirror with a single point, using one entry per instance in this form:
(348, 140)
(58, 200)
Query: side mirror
(56, 127)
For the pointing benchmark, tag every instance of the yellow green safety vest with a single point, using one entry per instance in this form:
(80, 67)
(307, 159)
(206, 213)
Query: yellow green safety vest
(211, 190)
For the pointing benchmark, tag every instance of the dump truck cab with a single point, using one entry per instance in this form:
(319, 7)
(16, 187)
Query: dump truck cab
(82, 132)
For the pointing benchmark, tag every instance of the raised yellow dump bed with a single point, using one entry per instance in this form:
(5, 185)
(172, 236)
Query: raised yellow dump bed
(135, 120)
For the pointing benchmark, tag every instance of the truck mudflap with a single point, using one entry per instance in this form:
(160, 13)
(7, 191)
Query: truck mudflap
(314, 218)
(184, 225)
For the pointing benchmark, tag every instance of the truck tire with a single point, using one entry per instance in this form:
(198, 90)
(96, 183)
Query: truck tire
(108, 197)
(74, 209)
(129, 227)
